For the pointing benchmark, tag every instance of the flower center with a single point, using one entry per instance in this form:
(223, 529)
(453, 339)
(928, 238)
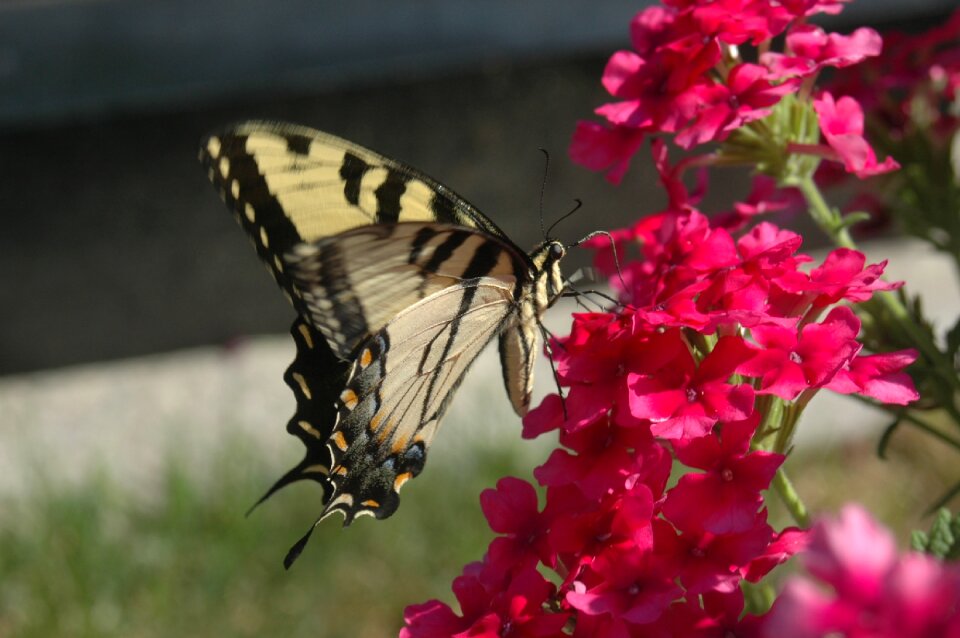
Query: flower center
(796, 358)
(727, 474)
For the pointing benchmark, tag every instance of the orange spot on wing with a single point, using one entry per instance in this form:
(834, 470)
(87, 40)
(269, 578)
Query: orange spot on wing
(366, 357)
(339, 440)
(400, 480)
(349, 398)
(399, 446)
(370, 503)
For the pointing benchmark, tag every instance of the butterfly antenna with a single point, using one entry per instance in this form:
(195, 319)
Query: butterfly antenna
(543, 187)
(547, 340)
(576, 207)
(613, 247)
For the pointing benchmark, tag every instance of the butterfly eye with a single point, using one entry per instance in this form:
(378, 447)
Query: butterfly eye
(557, 250)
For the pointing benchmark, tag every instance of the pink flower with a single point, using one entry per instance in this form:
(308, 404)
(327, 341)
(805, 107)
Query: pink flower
(765, 197)
(843, 276)
(516, 611)
(871, 590)
(878, 376)
(811, 49)
(789, 363)
(683, 399)
(656, 93)
(605, 457)
(712, 562)
(602, 148)
(841, 122)
(630, 586)
(833, 49)
(725, 498)
(746, 96)
(787, 543)
(739, 21)
(512, 510)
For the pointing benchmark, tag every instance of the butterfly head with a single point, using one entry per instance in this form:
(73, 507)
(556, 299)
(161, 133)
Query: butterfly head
(548, 280)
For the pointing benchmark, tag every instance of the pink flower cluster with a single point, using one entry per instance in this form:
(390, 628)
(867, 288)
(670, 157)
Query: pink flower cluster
(712, 321)
(685, 77)
(865, 589)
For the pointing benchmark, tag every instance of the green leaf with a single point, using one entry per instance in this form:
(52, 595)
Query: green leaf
(943, 540)
(919, 541)
(851, 219)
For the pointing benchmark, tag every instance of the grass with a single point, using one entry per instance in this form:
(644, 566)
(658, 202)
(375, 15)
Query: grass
(100, 559)
(94, 559)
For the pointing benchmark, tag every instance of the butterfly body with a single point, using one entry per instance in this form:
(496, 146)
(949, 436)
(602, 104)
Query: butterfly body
(398, 283)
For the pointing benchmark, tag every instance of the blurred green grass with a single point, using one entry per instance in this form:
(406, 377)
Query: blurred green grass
(98, 559)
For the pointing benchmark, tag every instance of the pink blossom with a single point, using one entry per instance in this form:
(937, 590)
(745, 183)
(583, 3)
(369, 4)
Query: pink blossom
(683, 399)
(878, 376)
(629, 585)
(516, 611)
(739, 21)
(511, 510)
(833, 49)
(841, 122)
(765, 197)
(711, 562)
(871, 591)
(789, 363)
(746, 96)
(725, 498)
(602, 148)
(843, 276)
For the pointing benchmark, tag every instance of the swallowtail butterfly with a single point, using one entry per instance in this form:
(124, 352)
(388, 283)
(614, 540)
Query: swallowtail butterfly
(398, 284)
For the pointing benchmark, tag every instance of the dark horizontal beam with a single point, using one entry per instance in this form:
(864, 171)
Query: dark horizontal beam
(63, 58)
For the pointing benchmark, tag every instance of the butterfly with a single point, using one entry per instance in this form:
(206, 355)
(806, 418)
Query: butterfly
(398, 284)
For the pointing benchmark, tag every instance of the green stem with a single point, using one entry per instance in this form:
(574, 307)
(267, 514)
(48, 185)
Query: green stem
(790, 498)
(825, 217)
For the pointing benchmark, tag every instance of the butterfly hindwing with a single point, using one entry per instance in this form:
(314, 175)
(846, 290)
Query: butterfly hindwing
(315, 377)
(399, 387)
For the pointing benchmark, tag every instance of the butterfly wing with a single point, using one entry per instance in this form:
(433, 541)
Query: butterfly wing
(397, 391)
(289, 184)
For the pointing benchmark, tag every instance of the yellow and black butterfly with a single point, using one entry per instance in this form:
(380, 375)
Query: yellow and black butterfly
(398, 283)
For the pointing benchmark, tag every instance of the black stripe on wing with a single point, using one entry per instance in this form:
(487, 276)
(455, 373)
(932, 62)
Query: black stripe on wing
(245, 191)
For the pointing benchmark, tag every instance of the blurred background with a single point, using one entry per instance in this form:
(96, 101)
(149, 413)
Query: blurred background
(142, 345)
